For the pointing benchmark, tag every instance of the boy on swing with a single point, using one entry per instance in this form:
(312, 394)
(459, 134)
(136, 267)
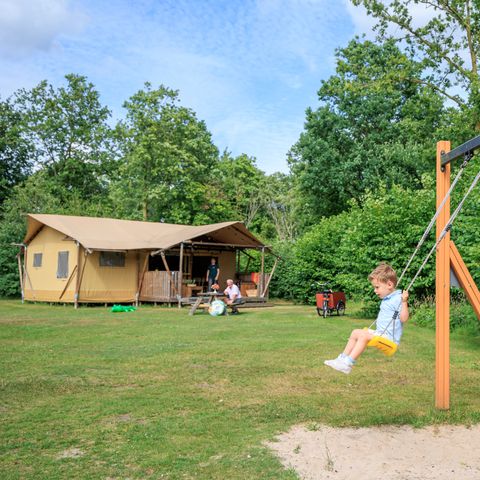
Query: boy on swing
(391, 317)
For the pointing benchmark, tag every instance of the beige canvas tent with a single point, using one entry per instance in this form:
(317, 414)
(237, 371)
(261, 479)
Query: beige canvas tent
(84, 259)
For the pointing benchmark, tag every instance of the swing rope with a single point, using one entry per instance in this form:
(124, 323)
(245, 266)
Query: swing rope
(387, 346)
(467, 158)
(446, 229)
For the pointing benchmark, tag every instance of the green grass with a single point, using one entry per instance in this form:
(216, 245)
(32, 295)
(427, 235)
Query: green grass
(158, 394)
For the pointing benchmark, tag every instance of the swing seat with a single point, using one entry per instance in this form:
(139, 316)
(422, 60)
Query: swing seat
(385, 345)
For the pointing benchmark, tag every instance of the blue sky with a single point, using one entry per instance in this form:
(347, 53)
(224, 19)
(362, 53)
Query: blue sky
(248, 68)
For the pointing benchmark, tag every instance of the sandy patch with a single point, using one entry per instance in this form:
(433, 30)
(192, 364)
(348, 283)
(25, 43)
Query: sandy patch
(403, 453)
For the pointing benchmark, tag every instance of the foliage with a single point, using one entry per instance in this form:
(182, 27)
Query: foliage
(312, 259)
(168, 156)
(239, 184)
(448, 42)
(279, 202)
(34, 197)
(386, 226)
(15, 162)
(38, 194)
(374, 126)
(462, 316)
(69, 132)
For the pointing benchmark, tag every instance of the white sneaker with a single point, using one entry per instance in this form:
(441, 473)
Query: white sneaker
(339, 365)
(329, 362)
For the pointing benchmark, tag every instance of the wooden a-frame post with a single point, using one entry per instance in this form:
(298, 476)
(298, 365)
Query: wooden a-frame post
(448, 259)
(442, 288)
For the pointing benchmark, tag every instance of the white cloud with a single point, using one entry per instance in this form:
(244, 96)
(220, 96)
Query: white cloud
(27, 25)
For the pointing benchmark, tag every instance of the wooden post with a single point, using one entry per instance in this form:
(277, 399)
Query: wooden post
(465, 279)
(270, 278)
(26, 276)
(162, 254)
(77, 282)
(262, 269)
(442, 287)
(180, 276)
(74, 271)
(140, 280)
(20, 273)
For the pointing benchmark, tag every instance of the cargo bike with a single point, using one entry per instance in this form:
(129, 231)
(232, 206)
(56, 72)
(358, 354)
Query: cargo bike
(329, 301)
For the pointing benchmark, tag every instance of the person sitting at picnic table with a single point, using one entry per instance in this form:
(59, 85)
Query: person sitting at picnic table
(212, 273)
(233, 295)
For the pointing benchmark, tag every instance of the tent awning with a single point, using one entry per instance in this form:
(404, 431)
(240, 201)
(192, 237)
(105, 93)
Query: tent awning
(113, 234)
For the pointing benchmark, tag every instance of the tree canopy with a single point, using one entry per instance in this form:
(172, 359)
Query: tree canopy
(447, 43)
(374, 126)
(167, 156)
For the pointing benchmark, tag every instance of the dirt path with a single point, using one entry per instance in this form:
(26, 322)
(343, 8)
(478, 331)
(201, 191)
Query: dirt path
(402, 453)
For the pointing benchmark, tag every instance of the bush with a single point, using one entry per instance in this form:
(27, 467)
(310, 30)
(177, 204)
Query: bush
(385, 227)
(462, 316)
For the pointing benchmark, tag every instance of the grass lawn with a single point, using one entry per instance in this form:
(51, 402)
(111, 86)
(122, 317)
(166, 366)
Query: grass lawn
(158, 394)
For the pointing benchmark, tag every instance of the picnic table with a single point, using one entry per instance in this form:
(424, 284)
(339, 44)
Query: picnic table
(205, 299)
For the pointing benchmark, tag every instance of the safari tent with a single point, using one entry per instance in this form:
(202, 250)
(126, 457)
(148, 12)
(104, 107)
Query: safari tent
(75, 259)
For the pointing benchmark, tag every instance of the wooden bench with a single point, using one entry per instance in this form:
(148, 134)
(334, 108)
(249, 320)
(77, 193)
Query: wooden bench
(236, 306)
(199, 303)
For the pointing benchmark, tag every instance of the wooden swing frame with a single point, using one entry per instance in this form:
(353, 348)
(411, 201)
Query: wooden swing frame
(448, 259)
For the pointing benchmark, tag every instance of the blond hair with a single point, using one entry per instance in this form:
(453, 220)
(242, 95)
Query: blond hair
(384, 273)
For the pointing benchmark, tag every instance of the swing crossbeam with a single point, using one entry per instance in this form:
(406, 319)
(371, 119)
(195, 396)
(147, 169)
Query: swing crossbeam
(466, 148)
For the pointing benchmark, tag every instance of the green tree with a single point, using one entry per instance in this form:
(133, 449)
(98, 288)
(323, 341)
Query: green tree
(279, 202)
(37, 194)
(240, 183)
(15, 152)
(70, 134)
(448, 43)
(374, 125)
(168, 156)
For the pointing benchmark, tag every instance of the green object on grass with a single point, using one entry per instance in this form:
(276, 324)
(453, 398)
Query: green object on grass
(123, 308)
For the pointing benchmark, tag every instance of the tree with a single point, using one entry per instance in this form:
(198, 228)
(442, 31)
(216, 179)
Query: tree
(240, 183)
(15, 152)
(37, 194)
(448, 43)
(374, 125)
(279, 201)
(168, 156)
(34, 196)
(72, 141)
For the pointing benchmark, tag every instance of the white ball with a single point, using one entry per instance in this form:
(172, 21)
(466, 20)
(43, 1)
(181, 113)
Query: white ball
(216, 308)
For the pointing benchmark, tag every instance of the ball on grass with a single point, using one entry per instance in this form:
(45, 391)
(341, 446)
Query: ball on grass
(216, 308)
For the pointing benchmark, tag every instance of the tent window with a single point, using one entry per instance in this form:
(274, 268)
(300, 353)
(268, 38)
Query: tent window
(112, 259)
(37, 259)
(62, 265)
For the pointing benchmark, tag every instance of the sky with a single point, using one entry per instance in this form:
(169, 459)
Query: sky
(248, 68)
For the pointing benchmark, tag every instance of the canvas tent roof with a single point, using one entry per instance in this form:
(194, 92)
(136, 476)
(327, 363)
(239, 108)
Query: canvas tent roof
(112, 234)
